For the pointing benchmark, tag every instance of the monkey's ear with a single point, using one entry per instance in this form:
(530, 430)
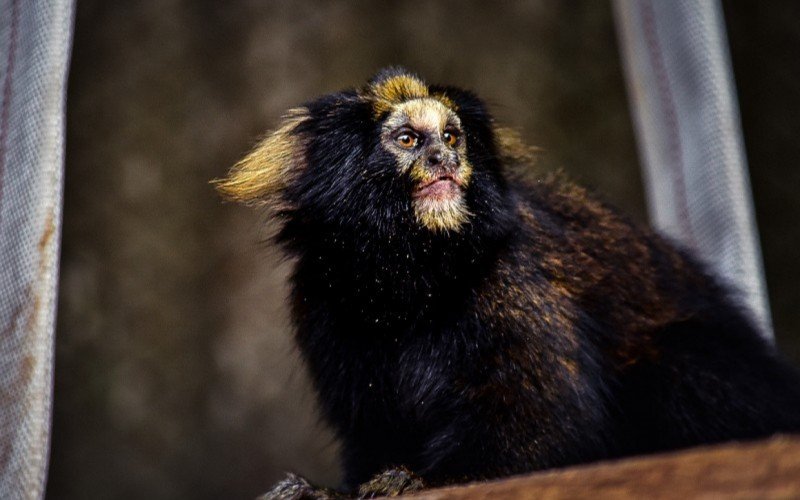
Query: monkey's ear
(512, 149)
(259, 177)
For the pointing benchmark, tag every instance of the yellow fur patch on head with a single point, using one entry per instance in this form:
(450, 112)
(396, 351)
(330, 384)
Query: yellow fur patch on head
(395, 90)
(427, 114)
(260, 175)
(446, 101)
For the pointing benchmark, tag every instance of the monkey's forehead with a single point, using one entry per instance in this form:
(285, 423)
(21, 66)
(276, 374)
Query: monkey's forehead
(426, 114)
(389, 93)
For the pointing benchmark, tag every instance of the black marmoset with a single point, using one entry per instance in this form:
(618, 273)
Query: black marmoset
(466, 323)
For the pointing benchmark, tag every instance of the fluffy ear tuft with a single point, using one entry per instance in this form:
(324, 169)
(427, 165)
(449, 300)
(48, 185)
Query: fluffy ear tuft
(512, 150)
(259, 177)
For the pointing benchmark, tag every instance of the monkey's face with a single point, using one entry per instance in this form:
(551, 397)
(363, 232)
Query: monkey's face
(396, 156)
(427, 140)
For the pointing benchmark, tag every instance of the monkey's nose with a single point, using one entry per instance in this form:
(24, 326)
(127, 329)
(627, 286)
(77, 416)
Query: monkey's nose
(435, 159)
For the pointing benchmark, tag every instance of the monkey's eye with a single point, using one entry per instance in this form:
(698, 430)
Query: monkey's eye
(450, 137)
(407, 140)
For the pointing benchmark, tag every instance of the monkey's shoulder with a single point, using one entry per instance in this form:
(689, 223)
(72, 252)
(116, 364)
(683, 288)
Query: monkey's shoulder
(568, 243)
(576, 266)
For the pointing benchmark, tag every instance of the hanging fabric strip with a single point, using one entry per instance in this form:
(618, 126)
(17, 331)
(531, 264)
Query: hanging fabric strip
(686, 116)
(35, 39)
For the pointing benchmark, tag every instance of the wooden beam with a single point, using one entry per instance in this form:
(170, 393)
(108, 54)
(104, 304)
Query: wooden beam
(768, 469)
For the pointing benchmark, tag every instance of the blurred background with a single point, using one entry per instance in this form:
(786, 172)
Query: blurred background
(175, 371)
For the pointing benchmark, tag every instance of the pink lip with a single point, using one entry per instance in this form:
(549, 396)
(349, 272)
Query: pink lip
(441, 187)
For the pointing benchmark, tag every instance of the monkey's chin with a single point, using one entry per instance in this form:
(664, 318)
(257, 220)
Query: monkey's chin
(441, 206)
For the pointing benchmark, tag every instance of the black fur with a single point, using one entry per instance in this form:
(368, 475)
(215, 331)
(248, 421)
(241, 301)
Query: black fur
(548, 331)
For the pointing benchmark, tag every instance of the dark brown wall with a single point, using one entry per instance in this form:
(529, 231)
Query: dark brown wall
(175, 373)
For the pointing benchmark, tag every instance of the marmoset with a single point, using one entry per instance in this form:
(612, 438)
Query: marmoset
(463, 321)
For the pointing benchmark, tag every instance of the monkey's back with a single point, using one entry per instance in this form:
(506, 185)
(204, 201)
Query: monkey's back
(631, 331)
(581, 337)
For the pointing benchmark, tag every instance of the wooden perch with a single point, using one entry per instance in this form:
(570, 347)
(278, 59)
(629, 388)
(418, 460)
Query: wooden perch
(764, 469)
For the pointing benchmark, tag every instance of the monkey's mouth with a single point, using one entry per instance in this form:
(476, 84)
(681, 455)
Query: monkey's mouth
(443, 187)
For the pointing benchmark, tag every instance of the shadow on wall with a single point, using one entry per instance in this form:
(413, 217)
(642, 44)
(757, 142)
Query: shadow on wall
(176, 376)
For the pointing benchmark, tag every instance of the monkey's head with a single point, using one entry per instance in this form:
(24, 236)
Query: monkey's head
(394, 156)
